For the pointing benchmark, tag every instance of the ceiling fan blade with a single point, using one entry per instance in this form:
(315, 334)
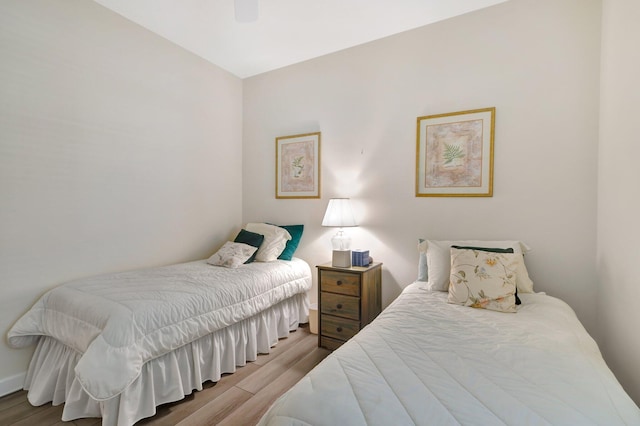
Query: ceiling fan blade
(246, 10)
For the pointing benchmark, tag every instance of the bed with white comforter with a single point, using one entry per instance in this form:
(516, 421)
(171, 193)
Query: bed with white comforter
(424, 361)
(117, 345)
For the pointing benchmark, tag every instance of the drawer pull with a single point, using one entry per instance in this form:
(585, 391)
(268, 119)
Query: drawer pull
(339, 329)
(339, 282)
(339, 306)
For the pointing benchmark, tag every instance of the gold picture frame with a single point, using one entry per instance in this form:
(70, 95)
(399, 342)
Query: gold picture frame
(298, 166)
(454, 154)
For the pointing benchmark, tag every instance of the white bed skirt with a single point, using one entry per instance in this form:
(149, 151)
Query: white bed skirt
(169, 378)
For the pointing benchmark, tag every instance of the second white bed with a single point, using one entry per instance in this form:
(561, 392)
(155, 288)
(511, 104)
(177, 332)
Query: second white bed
(424, 361)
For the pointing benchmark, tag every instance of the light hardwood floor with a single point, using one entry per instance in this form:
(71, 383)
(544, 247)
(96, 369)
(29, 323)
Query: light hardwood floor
(236, 399)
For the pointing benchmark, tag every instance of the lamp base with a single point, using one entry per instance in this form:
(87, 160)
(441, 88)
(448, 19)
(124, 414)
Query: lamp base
(341, 258)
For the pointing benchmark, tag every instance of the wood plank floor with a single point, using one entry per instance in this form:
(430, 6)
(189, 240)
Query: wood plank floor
(236, 399)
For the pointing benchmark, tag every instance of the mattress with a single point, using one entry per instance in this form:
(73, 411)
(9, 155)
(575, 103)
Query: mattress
(106, 329)
(426, 362)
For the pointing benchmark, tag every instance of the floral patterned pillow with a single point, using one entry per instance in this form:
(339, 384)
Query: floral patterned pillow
(482, 279)
(232, 255)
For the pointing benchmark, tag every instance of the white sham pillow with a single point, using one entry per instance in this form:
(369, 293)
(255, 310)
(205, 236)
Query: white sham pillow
(438, 256)
(422, 261)
(482, 279)
(275, 240)
(232, 255)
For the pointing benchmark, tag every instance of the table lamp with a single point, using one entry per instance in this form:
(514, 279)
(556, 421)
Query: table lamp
(339, 214)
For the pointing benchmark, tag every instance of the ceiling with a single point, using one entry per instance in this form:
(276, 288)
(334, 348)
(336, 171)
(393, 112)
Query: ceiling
(286, 31)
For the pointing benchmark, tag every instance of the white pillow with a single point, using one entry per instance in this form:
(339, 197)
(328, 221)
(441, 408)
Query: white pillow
(275, 240)
(232, 255)
(438, 255)
(482, 279)
(422, 261)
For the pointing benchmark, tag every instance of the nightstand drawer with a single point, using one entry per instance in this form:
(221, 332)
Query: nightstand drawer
(338, 328)
(340, 282)
(340, 305)
(329, 343)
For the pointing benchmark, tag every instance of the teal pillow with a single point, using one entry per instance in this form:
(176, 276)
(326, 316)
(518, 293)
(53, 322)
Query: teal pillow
(292, 244)
(251, 238)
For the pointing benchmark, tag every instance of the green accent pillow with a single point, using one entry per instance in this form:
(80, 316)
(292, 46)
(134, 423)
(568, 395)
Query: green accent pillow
(251, 238)
(488, 249)
(292, 244)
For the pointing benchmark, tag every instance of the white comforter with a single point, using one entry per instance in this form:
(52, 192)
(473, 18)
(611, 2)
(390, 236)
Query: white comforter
(120, 321)
(426, 362)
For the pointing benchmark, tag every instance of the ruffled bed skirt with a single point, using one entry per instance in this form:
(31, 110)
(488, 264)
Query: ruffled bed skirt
(169, 378)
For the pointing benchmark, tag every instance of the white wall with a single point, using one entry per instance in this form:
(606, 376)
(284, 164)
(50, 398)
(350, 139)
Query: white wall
(536, 61)
(618, 201)
(118, 150)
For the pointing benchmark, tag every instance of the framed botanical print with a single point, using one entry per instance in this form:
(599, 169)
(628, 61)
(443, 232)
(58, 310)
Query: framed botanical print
(298, 166)
(454, 154)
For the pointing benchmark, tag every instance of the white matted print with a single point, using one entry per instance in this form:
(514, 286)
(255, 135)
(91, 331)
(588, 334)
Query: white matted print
(298, 166)
(454, 154)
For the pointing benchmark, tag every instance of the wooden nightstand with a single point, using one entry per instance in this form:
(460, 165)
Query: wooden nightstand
(348, 299)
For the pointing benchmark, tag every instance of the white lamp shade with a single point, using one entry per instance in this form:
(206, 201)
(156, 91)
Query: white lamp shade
(339, 213)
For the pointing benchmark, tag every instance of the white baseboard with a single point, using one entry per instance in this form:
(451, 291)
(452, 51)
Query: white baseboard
(12, 384)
